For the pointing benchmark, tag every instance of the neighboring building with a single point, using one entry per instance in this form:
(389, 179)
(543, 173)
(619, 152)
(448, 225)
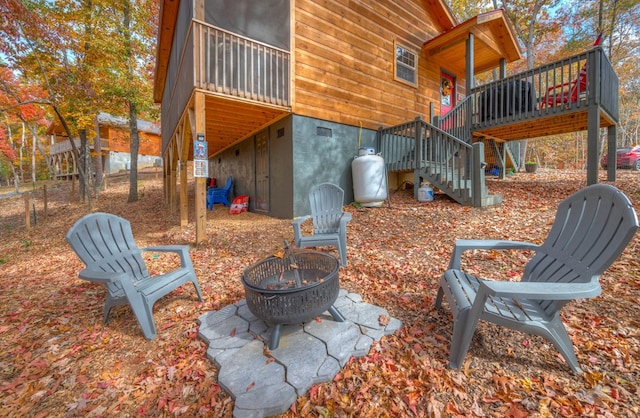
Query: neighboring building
(113, 134)
(285, 92)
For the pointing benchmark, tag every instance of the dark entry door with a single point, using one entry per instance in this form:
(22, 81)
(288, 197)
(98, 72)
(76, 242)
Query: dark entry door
(447, 92)
(262, 171)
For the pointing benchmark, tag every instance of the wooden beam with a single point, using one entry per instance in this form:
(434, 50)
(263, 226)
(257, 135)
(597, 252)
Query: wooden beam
(173, 161)
(182, 174)
(200, 204)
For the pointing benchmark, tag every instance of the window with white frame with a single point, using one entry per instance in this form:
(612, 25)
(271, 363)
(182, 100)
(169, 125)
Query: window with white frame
(406, 67)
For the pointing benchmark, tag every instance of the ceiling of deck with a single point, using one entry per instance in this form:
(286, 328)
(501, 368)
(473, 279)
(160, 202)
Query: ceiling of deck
(494, 40)
(554, 124)
(230, 121)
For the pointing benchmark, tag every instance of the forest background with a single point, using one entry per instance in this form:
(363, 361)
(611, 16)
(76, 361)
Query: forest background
(72, 59)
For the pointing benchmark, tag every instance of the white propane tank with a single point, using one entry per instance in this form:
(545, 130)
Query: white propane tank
(425, 193)
(369, 178)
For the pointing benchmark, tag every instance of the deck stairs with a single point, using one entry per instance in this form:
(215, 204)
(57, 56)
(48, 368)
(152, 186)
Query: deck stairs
(434, 155)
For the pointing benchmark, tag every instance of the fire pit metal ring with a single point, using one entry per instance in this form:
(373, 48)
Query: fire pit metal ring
(292, 289)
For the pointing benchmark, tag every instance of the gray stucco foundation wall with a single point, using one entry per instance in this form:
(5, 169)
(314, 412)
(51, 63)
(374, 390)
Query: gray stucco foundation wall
(281, 169)
(303, 152)
(238, 162)
(323, 152)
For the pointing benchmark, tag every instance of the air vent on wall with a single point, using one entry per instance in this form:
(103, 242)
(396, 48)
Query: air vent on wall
(280, 133)
(320, 131)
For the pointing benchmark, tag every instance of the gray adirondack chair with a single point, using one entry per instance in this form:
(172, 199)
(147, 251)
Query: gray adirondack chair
(591, 229)
(329, 220)
(104, 242)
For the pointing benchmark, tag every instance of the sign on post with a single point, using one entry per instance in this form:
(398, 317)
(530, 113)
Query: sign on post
(200, 153)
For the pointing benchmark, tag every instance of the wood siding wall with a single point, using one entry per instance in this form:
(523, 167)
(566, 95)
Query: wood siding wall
(118, 140)
(344, 61)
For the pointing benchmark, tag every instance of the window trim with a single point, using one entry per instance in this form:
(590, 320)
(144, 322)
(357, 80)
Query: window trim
(397, 45)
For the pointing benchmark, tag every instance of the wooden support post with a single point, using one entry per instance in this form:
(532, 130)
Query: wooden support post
(201, 182)
(477, 174)
(470, 63)
(593, 119)
(172, 179)
(611, 152)
(27, 211)
(184, 198)
(593, 135)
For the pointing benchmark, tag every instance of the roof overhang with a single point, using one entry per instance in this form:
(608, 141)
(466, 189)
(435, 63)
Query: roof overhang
(166, 28)
(494, 39)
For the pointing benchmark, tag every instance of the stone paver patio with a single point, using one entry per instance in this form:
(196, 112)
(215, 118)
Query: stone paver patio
(265, 383)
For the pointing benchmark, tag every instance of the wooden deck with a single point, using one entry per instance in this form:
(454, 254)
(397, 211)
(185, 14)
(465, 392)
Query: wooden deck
(540, 124)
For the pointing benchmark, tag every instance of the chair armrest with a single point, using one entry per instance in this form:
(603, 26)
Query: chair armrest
(345, 218)
(181, 250)
(461, 246)
(299, 220)
(103, 277)
(297, 231)
(541, 290)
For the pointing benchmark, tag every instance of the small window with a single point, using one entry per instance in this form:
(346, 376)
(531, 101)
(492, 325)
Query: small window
(406, 66)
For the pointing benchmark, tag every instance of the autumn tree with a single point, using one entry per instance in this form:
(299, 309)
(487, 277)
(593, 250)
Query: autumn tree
(132, 28)
(619, 22)
(48, 44)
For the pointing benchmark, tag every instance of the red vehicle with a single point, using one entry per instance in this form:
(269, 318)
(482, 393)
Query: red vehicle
(625, 158)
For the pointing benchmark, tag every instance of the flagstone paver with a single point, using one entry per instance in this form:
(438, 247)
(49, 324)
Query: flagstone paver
(265, 383)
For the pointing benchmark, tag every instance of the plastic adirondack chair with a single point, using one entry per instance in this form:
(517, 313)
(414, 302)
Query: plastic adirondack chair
(591, 229)
(219, 194)
(570, 91)
(329, 220)
(105, 244)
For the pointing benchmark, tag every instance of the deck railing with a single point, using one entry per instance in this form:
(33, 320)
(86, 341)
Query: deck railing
(230, 64)
(567, 85)
(457, 121)
(65, 146)
(444, 159)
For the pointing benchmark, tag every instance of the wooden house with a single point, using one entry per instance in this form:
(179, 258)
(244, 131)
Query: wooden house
(285, 92)
(113, 136)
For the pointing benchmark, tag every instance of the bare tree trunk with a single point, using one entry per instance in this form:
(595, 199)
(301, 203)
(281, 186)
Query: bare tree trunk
(22, 154)
(134, 146)
(41, 149)
(133, 111)
(85, 162)
(16, 184)
(34, 139)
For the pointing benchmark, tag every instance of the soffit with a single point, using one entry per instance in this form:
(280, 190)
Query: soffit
(494, 39)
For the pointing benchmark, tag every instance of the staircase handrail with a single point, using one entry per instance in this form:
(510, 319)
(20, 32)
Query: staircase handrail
(448, 162)
(457, 121)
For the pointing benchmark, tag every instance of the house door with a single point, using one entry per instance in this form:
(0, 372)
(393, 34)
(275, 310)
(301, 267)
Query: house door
(447, 92)
(262, 171)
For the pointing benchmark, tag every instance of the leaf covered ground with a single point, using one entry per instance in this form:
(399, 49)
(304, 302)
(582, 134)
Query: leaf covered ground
(58, 359)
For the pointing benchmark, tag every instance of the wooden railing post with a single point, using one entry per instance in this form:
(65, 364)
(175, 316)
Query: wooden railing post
(477, 173)
(417, 161)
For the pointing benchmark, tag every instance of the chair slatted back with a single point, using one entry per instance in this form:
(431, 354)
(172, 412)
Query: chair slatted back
(326, 202)
(104, 242)
(591, 229)
(228, 184)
